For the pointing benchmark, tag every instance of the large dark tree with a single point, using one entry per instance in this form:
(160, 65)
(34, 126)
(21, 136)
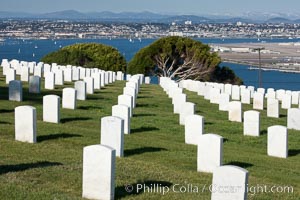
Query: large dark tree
(176, 57)
(88, 55)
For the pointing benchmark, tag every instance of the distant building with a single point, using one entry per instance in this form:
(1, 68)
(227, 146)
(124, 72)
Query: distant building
(239, 23)
(188, 22)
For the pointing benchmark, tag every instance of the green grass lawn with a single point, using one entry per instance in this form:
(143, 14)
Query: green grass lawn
(155, 152)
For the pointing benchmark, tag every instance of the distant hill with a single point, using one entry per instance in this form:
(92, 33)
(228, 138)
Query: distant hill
(145, 16)
(66, 14)
(279, 20)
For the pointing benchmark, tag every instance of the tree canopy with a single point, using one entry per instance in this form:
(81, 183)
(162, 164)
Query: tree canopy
(179, 58)
(88, 55)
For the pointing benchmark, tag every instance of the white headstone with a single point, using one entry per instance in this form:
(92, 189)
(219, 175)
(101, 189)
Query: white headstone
(38, 71)
(89, 85)
(293, 118)
(120, 76)
(271, 94)
(87, 72)
(106, 78)
(25, 74)
(261, 90)
(10, 75)
(68, 75)
(102, 81)
(229, 183)
(209, 153)
(178, 100)
(128, 77)
(80, 87)
(187, 109)
(224, 102)
(69, 98)
(75, 74)
(286, 101)
(194, 128)
(252, 123)
(51, 108)
(235, 111)
(25, 124)
(147, 80)
(278, 141)
(279, 94)
(112, 133)
(35, 84)
(295, 98)
(258, 101)
(49, 80)
(15, 91)
(215, 95)
(236, 92)
(97, 80)
(59, 77)
(98, 177)
(252, 90)
(126, 100)
(123, 112)
(273, 107)
(132, 92)
(246, 96)
(47, 69)
(82, 72)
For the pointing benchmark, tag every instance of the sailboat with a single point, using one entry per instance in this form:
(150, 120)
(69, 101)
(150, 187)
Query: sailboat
(19, 51)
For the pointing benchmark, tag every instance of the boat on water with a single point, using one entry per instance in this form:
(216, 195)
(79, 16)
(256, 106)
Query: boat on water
(2, 40)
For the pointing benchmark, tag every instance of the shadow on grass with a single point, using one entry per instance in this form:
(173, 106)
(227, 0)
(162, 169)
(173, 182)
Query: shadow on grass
(6, 110)
(225, 140)
(240, 164)
(208, 123)
(141, 187)
(131, 152)
(143, 129)
(144, 97)
(89, 107)
(42, 138)
(294, 152)
(38, 98)
(25, 166)
(71, 119)
(5, 122)
(282, 115)
(263, 132)
(143, 115)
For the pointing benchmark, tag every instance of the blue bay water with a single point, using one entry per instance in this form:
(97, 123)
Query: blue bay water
(34, 50)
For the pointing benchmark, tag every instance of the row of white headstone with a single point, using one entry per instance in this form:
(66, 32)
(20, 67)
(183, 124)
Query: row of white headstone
(277, 135)
(210, 146)
(231, 97)
(98, 180)
(25, 116)
(213, 91)
(62, 74)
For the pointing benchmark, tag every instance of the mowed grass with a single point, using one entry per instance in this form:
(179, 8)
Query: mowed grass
(155, 152)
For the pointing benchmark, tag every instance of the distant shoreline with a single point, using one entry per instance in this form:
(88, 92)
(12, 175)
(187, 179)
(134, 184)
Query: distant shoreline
(255, 66)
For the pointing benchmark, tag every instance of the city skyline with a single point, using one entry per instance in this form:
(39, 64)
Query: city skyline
(229, 7)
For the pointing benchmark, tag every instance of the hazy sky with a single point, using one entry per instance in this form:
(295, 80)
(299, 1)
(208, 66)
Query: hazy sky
(158, 6)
